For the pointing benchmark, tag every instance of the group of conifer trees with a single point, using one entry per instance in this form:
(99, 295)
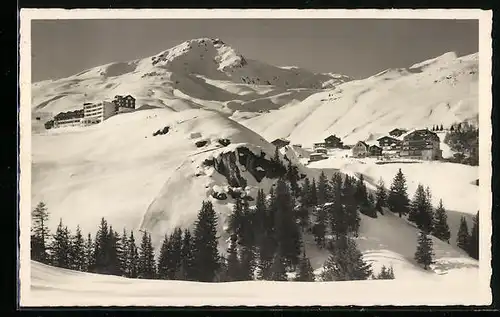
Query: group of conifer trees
(266, 241)
(429, 220)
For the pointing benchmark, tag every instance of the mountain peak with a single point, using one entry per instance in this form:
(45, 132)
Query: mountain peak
(441, 60)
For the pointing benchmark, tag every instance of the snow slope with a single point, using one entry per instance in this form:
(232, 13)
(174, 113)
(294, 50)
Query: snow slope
(52, 286)
(197, 73)
(439, 91)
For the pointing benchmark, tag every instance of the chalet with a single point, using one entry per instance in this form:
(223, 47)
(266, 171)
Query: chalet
(314, 157)
(68, 119)
(386, 142)
(319, 145)
(279, 143)
(361, 149)
(421, 144)
(397, 132)
(122, 103)
(321, 150)
(333, 142)
(375, 150)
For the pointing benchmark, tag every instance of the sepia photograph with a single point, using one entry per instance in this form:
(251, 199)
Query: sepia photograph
(255, 157)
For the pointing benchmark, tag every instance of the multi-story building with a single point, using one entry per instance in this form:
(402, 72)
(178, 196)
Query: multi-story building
(68, 119)
(421, 144)
(127, 102)
(98, 112)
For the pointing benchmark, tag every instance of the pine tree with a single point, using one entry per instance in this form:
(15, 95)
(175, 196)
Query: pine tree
(174, 253)
(89, 254)
(122, 252)
(293, 178)
(306, 272)
(323, 189)
(114, 265)
(350, 206)
(473, 247)
(360, 192)
(346, 262)
(424, 254)
(381, 196)
(146, 267)
(260, 218)
(287, 233)
(77, 251)
(440, 223)
(398, 200)
(319, 228)
(39, 233)
(441, 127)
(463, 234)
(101, 247)
(306, 193)
(60, 247)
(163, 259)
(187, 256)
(421, 209)
(233, 263)
(206, 255)
(278, 269)
(385, 273)
(303, 217)
(132, 258)
(313, 194)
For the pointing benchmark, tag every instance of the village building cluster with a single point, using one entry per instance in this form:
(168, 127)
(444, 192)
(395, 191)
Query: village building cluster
(93, 113)
(419, 144)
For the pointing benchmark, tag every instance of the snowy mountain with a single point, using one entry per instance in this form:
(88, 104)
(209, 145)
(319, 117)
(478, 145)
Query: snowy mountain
(217, 112)
(442, 90)
(199, 73)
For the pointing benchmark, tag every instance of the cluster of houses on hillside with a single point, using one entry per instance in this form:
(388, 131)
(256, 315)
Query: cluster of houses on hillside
(421, 144)
(92, 113)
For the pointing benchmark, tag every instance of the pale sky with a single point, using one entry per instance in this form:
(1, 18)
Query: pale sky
(357, 48)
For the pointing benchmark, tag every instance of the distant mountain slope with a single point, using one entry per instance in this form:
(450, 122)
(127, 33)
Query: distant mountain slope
(199, 73)
(438, 91)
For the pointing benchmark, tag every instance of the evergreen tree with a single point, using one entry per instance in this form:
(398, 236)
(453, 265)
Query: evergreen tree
(398, 201)
(206, 255)
(101, 248)
(233, 263)
(306, 272)
(381, 196)
(441, 127)
(323, 189)
(174, 253)
(346, 262)
(278, 269)
(123, 252)
(303, 216)
(360, 192)
(89, 254)
(77, 251)
(260, 218)
(60, 247)
(146, 267)
(463, 234)
(385, 273)
(319, 228)
(39, 233)
(132, 258)
(236, 218)
(336, 212)
(114, 265)
(452, 128)
(163, 259)
(473, 249)
(293, 178)
(313, 194)
(287, 233)
(424, 253)
(350, 206)
(187, 256)
(306, 193)
(247, 244)
(440, 227)
(421, 209)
